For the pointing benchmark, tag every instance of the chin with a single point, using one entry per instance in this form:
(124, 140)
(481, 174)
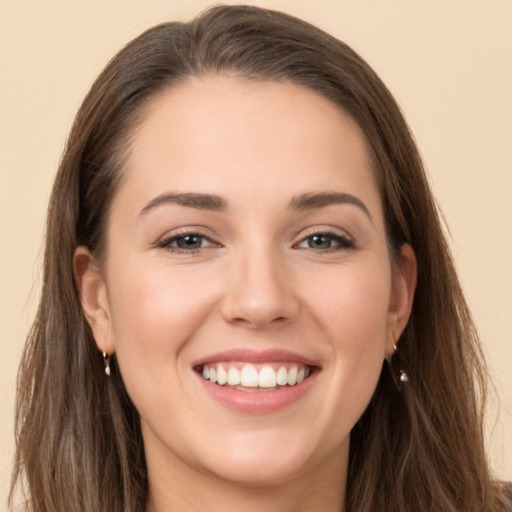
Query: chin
(261, 460)
(258, 472)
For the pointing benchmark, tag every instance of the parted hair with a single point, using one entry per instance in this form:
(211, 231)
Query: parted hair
(78, 439)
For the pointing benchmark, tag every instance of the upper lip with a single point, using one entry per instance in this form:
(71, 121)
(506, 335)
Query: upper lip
(256, 356)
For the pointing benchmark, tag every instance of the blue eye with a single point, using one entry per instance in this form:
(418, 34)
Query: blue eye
(325, 242)
(187, 242)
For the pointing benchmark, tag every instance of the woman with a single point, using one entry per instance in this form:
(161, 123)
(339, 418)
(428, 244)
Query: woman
(247, 291)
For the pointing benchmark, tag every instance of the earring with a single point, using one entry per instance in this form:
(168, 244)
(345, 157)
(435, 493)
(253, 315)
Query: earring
(403, 375)
(398, 374)
(106, 359)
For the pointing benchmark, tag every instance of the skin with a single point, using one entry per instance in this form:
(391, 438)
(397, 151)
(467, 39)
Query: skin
(258, 282)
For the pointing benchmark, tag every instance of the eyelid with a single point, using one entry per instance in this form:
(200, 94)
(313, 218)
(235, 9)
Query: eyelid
(165, 241)
(325, 230)
(345, 240)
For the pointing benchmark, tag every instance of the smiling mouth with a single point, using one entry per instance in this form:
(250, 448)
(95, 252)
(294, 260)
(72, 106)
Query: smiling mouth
(255, 377)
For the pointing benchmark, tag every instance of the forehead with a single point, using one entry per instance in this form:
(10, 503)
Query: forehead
(224, 135)
(218, 104)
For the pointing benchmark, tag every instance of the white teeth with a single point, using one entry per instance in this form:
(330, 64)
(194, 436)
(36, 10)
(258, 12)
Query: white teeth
(233, 376)
(282, 376)
(249, 376)
(222, 376)
(292, 376)
(267, 377)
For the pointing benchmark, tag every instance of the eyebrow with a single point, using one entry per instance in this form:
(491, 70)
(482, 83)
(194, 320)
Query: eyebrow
(190, 200)
(312, 201)
(212, 202)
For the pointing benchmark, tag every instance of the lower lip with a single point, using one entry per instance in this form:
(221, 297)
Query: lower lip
(257, 402)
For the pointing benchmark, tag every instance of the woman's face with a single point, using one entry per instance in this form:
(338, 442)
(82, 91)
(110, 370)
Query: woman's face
(247, 290)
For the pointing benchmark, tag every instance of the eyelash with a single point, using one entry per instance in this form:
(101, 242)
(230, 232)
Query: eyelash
(344, 243)
(166, 243)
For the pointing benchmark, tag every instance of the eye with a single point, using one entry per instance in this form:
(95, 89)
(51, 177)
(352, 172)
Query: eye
(326, 242)
(186, 242)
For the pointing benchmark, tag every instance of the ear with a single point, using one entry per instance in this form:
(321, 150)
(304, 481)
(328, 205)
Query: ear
(403, 286)
(93, 296)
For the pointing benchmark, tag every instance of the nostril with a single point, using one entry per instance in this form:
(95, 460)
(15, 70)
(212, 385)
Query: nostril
(260, 322)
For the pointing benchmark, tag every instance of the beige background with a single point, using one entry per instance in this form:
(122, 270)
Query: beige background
(449, 63)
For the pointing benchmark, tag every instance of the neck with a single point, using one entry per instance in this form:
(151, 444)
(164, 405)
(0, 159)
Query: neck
(322, 489)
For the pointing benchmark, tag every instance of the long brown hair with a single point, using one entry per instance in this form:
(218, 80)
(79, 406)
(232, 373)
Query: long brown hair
(79, 445)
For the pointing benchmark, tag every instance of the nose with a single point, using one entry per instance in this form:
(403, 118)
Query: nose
(260, 292)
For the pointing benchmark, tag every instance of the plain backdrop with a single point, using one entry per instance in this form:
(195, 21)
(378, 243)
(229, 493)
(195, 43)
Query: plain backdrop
(449, 64)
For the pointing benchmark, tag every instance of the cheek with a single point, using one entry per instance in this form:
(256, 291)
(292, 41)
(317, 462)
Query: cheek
(154, 312)
(353, 315)
(352, 307)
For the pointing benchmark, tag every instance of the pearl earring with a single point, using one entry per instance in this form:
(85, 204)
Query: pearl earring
(398, 374)
(106, 359)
